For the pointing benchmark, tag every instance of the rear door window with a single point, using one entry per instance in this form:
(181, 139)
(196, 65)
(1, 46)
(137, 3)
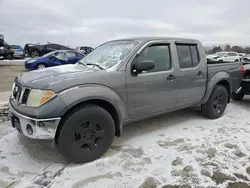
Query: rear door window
(188, 55)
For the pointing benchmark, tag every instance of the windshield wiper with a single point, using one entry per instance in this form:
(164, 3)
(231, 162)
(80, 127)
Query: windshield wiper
(96, 65)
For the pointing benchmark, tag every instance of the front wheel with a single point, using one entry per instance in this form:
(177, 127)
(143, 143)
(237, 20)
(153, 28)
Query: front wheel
(41, 66)
(86, 134)
(216, 104)
(238, 96)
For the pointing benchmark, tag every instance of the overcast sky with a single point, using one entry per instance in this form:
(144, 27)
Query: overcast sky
(91, 22)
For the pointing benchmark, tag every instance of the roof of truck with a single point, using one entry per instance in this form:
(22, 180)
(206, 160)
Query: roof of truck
(159, 38)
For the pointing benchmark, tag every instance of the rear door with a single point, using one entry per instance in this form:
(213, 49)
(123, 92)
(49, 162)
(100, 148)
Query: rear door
(155, 90)
(192, 77)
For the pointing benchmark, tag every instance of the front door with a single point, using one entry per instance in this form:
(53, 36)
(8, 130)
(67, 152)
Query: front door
(60, 59)
(192, 77)
(155, 90)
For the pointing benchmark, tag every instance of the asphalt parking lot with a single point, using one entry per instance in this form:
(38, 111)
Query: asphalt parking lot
(8, 73)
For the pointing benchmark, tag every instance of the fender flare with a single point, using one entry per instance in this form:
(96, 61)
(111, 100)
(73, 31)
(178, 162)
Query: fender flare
(79, 94)
(220, 77)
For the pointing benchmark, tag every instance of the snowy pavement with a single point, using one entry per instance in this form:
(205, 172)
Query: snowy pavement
(16, 62)
(181, 148)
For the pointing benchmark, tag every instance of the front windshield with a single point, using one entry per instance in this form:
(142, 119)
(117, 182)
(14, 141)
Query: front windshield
(220, 54)
(109, 54)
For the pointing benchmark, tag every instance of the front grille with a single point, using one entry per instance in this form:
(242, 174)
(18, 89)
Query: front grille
(20, 94)
(25, 96)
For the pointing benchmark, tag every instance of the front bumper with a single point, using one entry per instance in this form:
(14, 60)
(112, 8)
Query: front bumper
(34, 128)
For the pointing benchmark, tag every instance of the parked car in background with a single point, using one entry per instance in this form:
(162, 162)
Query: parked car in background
(225, 56)
(1, 39)
(84, 49)
(242, 55)
(18, 51)
(55, 58)
(84, 106)
(5, 51)
(34, 50)
(246, 58)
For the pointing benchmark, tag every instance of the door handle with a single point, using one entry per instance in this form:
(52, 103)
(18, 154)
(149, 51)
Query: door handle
(200, 73)
(171, 78)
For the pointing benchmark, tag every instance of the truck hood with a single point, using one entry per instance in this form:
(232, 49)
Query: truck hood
(41, 78)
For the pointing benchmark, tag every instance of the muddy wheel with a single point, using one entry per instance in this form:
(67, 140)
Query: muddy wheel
(238, 97)
(86, 134)
(217, 103)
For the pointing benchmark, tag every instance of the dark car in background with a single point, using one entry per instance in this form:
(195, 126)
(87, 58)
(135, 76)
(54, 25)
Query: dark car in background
(35, 50)
(55, 58)
(5, 51)
(18, 51)
(1, 39)
(84, 49)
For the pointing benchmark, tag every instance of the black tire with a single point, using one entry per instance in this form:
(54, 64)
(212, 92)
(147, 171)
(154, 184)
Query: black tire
(238, 97)
(216, 104)
(35, 53)
(41, 66)
(86, 134)
(236, 60)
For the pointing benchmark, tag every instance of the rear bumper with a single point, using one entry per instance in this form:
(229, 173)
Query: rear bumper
(34, 128)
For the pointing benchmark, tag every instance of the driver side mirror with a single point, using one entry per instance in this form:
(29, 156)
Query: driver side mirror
(143, 66)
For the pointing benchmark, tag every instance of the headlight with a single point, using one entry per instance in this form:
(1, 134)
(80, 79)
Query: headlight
(31, 61)
(38, 97)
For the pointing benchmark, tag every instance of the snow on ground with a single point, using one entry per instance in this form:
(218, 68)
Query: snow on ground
(181, 148)
(16, 62)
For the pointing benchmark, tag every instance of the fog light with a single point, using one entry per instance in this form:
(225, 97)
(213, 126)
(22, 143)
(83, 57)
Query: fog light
(29, 129)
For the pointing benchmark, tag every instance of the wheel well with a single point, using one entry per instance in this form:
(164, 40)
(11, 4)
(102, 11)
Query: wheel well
(42, 63)
(102, 103)
(227, 86)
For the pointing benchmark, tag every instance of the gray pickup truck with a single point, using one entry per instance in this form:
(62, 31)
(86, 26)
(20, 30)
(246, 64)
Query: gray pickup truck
(82, 107)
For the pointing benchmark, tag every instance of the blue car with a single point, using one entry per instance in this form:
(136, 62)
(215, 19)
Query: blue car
(55, 58)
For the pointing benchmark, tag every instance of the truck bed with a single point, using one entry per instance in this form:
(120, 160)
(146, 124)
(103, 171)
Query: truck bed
(232, 68)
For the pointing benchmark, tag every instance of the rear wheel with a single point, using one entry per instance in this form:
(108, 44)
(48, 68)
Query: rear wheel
(217, 103)
(236, 60)
(86, 134)
(34, 54)
(238, 96)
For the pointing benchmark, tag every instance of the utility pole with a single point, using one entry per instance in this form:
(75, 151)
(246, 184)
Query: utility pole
(70, 42)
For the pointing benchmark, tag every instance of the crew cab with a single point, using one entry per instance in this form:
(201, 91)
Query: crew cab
(82, 107)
